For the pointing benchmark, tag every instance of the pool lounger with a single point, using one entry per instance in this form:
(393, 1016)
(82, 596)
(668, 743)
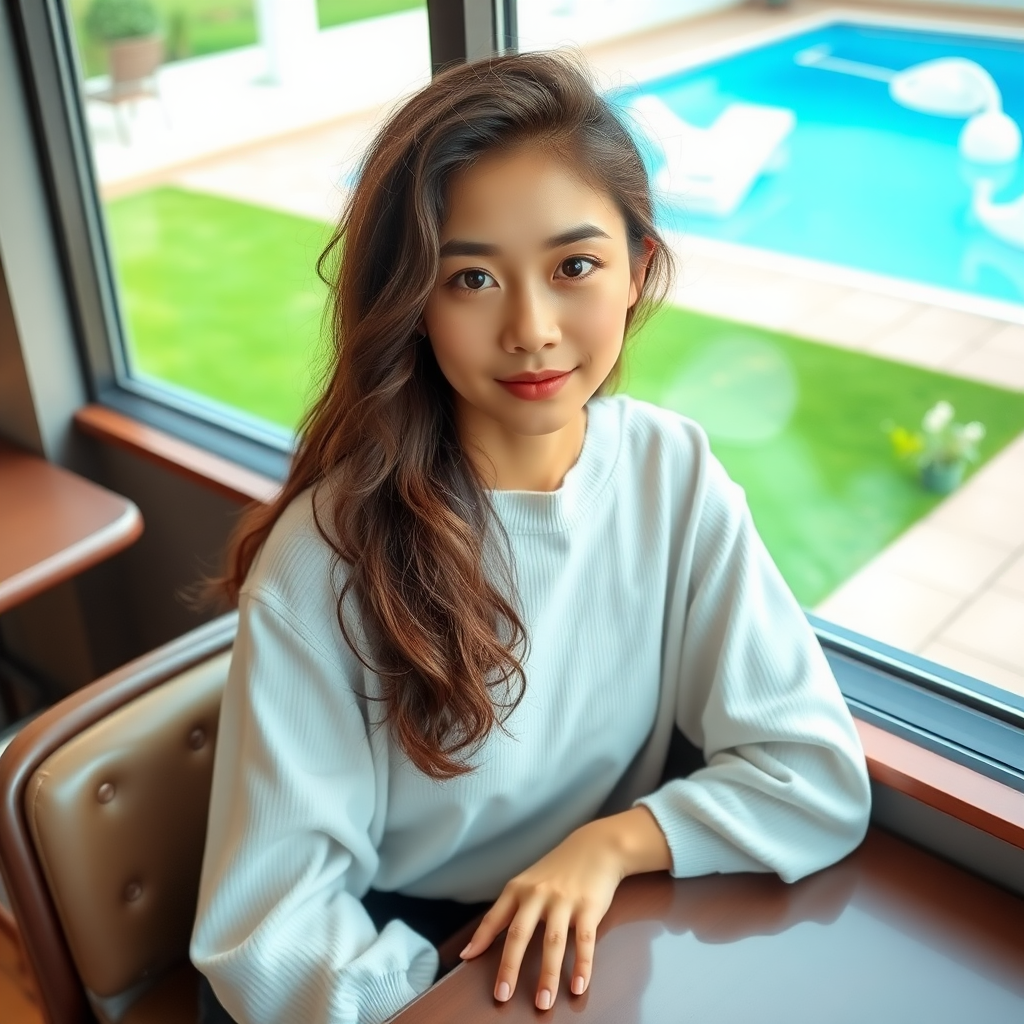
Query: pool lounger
(711, 170)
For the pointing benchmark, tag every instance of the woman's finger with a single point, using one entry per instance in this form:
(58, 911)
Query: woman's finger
(491, 925)
(586, 940)
(520, 931)
(556, 932)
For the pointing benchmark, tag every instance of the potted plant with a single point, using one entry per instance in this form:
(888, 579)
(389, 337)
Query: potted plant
(941, 449)
(130, 30)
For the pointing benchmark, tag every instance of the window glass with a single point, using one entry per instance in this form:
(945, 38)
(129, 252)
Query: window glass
(224, 134)
(843, 196)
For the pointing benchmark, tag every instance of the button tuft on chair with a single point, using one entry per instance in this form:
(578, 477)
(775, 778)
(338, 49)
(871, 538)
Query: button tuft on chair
(105, 793)
(132, 891)
(197, 738)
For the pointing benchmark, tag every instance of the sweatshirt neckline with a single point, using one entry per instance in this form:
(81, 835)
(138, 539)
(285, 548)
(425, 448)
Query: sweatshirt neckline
(524, 512)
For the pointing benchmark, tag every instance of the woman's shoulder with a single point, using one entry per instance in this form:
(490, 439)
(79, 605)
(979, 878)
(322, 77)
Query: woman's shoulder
(666, 457)
(296, 562)
(648, 432)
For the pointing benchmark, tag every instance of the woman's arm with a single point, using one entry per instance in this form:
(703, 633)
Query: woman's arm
(785, 788)
(280, 929)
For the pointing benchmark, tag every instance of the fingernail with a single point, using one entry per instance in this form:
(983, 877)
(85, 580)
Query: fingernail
(466, 950)
(503, 992)
(544, 999)
(578, 984)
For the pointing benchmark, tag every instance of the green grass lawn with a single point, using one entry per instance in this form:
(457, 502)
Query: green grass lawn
(193, 28)
(221, 299)
(799, 425)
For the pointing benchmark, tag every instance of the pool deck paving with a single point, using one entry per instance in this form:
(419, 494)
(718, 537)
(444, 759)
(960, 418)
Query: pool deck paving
(951, 587)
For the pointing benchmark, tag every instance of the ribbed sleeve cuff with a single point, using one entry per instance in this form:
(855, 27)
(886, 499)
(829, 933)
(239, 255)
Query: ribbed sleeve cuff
(386, 993)
(696, 848)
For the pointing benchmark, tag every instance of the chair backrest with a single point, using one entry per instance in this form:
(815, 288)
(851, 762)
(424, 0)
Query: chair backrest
(103, 822)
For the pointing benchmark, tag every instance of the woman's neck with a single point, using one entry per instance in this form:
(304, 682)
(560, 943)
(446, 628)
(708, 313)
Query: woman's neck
(508, 461)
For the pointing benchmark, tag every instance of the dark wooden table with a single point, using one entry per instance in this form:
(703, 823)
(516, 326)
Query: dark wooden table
(892, 935)
(54, 524)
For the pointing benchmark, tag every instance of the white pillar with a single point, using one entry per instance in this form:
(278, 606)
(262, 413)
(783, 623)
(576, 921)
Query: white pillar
(287, 30)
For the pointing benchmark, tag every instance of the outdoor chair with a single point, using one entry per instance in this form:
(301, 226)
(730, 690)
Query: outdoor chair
(133, 66)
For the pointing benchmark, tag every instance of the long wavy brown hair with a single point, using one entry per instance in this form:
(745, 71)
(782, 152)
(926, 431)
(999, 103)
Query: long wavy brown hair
(408, 516)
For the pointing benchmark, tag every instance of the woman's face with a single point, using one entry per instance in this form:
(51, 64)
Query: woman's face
(527, 316)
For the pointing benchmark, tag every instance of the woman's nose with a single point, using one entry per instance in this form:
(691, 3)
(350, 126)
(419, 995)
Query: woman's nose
(531, 323)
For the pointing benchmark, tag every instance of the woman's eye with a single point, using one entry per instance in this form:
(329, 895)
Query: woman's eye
(474, 280)
(576, 266)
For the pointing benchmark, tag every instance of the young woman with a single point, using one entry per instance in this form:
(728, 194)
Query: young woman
(485, 598)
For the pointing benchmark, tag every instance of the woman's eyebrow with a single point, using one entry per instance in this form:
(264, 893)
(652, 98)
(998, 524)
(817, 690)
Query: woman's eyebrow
(459, 247)
(577, 234)
(462, 247)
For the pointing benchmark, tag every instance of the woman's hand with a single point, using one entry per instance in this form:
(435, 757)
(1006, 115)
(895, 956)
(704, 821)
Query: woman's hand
(571, 887)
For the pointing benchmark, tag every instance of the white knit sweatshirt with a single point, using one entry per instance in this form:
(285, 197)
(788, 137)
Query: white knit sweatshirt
(649, 601)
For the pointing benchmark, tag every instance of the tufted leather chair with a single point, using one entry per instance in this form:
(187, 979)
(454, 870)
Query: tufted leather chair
(102, 826)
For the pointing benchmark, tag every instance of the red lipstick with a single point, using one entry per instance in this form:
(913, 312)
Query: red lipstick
(536, 385)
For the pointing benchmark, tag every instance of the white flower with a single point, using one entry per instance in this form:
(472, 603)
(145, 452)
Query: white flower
(974, 432)
(937, 418)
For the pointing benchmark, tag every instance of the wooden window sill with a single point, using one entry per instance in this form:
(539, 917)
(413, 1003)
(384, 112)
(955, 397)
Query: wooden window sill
(188, 460)
(934, 780)
(892, 761)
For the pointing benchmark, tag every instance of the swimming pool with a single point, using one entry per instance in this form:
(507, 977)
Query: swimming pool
(860, 181)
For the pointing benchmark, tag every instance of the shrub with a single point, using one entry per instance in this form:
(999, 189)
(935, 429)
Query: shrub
(110, 20)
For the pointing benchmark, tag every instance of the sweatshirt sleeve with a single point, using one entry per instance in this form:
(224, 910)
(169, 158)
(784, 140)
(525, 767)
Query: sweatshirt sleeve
(280, 929)
(785, 788)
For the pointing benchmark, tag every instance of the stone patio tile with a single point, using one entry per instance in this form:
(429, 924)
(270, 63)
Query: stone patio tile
(874, 308)
(991, 627)
(808, 298)
(889, 607)
(711, 293)
(1002, 477)
(1008, 339)
(991, 365)
(950, 561)
(983, 512)
(947, 326)
(972, 665)
(1012, 578)
(856, 319)
(720, 289)
(919, 349)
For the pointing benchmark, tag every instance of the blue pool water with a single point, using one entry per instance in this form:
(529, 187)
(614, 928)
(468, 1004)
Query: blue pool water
(866, 183)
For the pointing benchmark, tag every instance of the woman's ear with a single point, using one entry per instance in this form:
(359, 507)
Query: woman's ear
(639, 274)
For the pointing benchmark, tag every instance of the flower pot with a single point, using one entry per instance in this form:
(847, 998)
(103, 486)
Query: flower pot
(942, 477)
(133, 61)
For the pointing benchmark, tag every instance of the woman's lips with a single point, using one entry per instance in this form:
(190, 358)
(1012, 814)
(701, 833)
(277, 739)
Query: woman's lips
(533, 390)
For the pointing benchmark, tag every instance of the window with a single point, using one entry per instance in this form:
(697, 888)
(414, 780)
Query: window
(213, 145)
(846, 323)
(828, 330)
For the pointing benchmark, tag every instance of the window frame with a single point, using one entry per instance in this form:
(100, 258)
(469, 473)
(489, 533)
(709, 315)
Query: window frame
(965, 720)
(50, 72)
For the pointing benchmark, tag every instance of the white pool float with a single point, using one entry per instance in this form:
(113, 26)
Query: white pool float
(990, 137)
(712, 170)
(945, 87)
(1004, 220)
